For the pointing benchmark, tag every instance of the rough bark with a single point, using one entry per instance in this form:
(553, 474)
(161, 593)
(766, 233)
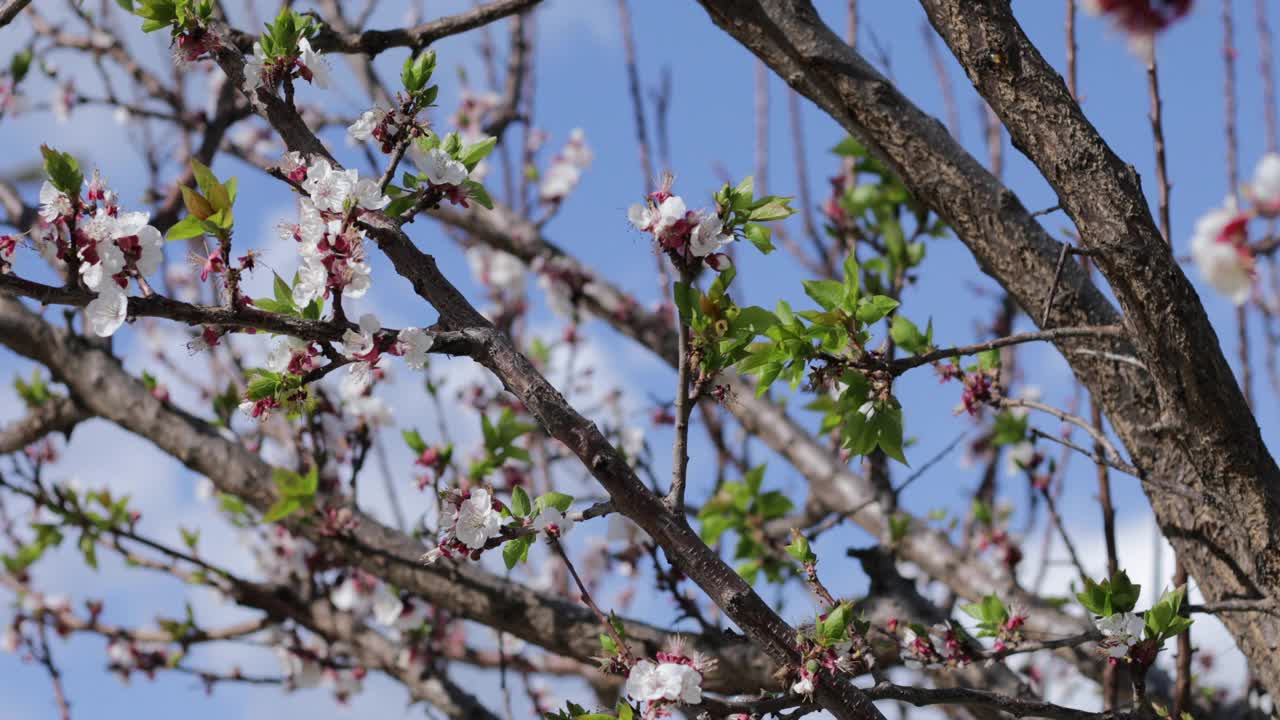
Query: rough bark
(108, 391)
(1210, 479)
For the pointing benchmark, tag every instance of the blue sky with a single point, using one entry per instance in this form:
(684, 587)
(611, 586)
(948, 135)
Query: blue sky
(581, 83)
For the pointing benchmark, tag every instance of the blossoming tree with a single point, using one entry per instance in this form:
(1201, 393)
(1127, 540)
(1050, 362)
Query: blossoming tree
(269, 380)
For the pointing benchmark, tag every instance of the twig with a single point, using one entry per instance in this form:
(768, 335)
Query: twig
(1057, 276)
(680, 448)
(1052, 505)
(1267, 69)
(1157, 134)
(1079, 422)
(921, 697)
(55, 675)
(1182, 686)
(1095, 456)
(762, 128)
(11, 10)
(586, 598)
(904, 364)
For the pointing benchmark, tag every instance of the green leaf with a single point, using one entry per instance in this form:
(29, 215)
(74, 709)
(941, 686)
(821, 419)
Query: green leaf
(989, 360)
(800, 550)
(827, 293)
(1009, 429)
(831, 630)
(774, 208)
(476, 192)
(744, 191)
(557, 500)
(872, 309)
(760, 236)
(895, 241)
(19, 64)
(414, 440)
(281, 510)
(714, 525)
(185, 229)
(849, 147)
(472, 154)
(521, 506)
(684, 295)
(400, 205)
(517, 551)
(281, 290)
(205, 180)
(63, 171)
(773, 505)
(888, 423)
(907, 336)
(899, 526)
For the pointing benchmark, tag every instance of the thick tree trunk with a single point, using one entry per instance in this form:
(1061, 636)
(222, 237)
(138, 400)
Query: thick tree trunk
(1211, 480)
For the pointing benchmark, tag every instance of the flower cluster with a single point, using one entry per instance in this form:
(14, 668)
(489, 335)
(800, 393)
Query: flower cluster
(682, 232)
(938, 646)
(1140, 17)
(386, 127)
(125, 657)
(566, 168)
(675, 679)
(106, 244)
(284, 52)
(367, 345)
(331, 246)
(1220, 244)
(282, 556)
(314, 665)
(471, 519)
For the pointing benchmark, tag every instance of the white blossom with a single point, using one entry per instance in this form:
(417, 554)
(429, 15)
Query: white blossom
(1265, 189)
(1019, 458)
(708, 236)
(53, 203)
(358, 343)
(669, 682)
(107, 312)
(552, 517)
(369, 196)
(279, 355)
(328, 187)
(314, 62)
(359, 279)
(415, 344)
(362, 128)
(302, 672)
(1121, 632)
(641, 216)
(441, 169)
(357, 382)
(313, 278)
(387, 606)
(803, 686)
(477, 521)
(205, 489)
(253, 67)
(1219, 251)
(10, 640)
(354, 595)
(671, 211)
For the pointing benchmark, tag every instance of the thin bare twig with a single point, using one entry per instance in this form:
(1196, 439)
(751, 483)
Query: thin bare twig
(1109, 331)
